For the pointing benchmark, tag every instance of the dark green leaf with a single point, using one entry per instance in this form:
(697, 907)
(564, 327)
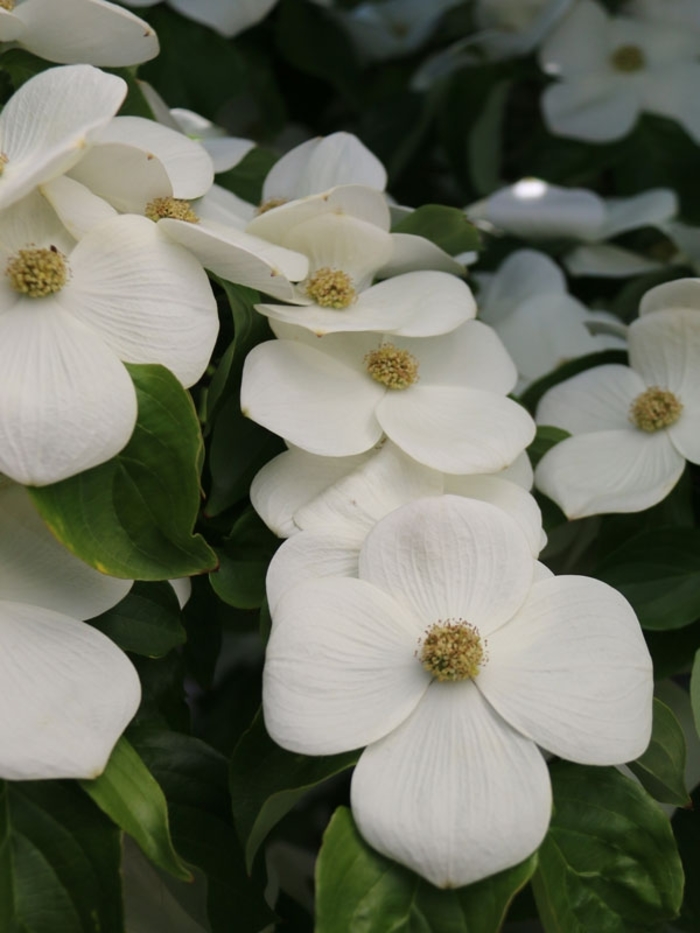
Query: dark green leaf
(246, 179)
(659, 573)
(609, 863)
(133, 516)
(686, 827)
(695, 691)
(360, 891)
(135, 104)
(661, 767)
(484, 142)
(266, 782)
(547, 437)
(130, 796)
(59, 862)
(21, 65)
(243, 562)
(447, 227)
(531, 396)
(146, 621)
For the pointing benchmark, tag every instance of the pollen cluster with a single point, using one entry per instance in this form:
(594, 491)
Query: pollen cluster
(331, 288)
(37, 271)
(628, 58)
(655, 409)
(452, 650)
(175, 208)
(393, 367)
(7, 5)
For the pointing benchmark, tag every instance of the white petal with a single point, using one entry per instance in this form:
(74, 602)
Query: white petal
(597, 399)
(610, 471)
(94, 31)
(187, 164)
(45, 126)
(526, 273)
(605, 259)
(11, 26)
(670, 93)
(226, 18)
(578, 44)
(520, 471)
(239, 257)
(340, 669)
(127, 177)
(456, 430)
(412, 253)
(453, 793)
(645, 209)
(147, 297)
(36, 569)
(532, 208)
(79, 209)
(323, 163)
(513, 499)
(225, 208)
(66, 402)
(682, 293)
(595, 109)
(309, 556)
(292, 479)
(664, 348)
(310, 399)
(450, 558)
(67, 695)
(571, 670)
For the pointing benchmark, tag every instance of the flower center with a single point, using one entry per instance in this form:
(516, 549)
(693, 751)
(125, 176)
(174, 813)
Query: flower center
(175, 208)
(393, 367)
(7, 5)
(37, 271)
(270, 204)
(655, 409)
(331, 288)
(452, 650)
(628, 58)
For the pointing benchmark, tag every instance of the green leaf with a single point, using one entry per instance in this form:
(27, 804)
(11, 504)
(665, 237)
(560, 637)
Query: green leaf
(21, 65)
(686, 827)
(194, 779)
(246, 179)
(266, 782)
(659, 573)
(661, 768)
(243, 562)
(146, 621)
(547, 437)
(135, 104)
(484, 142)
(360, 891)
(447, 227)
(130, 796)
(59, 861)
(133, 516)
(609, 863)
(531, 396)
(695, 690)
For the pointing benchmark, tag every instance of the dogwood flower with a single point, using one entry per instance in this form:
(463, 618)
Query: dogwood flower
(633, 428)
(48, 125)
(440, 399)
(92, 31)
(612, 69)
(452, 664)
(224, 16)
(71, 314)
(66, 691)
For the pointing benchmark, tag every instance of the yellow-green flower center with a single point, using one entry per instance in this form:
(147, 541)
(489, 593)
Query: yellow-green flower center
(393, 367)
(331, 288)
(452, 650)
(270, 204)
(37, 271)
(655, 409)
(7, 5)
(175, 208)
(628, 58)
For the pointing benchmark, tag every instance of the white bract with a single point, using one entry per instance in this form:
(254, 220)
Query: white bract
(440, 399)
(227, 17)
(70, 316)
(612, 69)
(66, 691)
(452, 665)
(633, 428)
(49, 124)
(76, 31)
(541, 325)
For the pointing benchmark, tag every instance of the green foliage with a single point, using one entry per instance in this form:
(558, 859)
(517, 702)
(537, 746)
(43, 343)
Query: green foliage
(695, 691)
(266, 782)
(661, 768)
(246, 179)
(243, 562)
(447, 227)
(133, 516)
(546, 437)
(609, 863)
(130, 796)
(146, 621)
(360, 891)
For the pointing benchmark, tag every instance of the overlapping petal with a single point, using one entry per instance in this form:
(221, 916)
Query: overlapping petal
(597, 399)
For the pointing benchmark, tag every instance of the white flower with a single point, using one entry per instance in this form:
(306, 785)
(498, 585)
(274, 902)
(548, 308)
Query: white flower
(224, 151)
(48, 125)
(66, 691)
(541, 325)
(227, 17)
(684, 14)
(613, 69)
(453, 665)
(70, 315)
(440, 399)
(633, 428)
(92, 31)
